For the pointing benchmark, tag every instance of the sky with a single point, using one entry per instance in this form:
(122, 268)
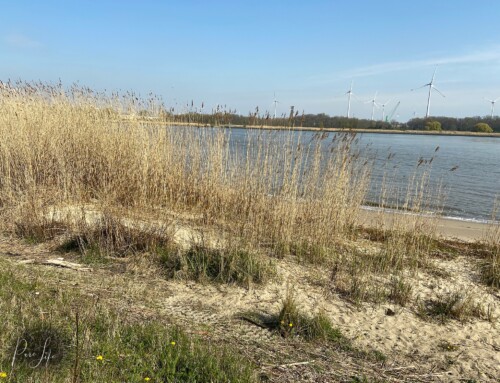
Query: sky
(241, 53)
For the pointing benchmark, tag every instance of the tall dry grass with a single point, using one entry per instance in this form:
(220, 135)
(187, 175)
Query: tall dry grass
(78, 148)
(490, 250)
(410, 230)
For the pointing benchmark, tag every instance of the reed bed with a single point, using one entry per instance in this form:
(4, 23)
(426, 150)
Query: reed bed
(77, 147)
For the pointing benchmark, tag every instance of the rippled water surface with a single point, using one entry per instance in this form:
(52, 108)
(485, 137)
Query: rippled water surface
(466, 167)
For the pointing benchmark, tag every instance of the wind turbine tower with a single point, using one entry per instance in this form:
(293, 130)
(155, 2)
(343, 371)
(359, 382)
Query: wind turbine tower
(383, 108)
(275, 102)
(349, 94)
(431, 87)
(374, 104)
(492, 105)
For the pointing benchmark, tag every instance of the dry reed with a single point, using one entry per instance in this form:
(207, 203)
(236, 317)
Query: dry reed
(76, 148)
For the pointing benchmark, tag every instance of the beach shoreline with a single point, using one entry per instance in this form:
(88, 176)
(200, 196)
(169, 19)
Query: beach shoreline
(446, 228)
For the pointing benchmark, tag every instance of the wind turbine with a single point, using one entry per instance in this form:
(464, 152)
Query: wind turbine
(349, 93)
(431, 87)
(275, 102)
(374, 104)
(492, 105)
(383, 108)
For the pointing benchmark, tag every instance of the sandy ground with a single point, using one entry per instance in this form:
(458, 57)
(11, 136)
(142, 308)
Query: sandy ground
(446, 228)
(418, 349)
(413, 346)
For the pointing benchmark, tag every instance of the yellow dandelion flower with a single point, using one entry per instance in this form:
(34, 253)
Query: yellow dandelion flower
(291, 324)
(147, 379)
(3, 374)
(172, 343)
(99, 357)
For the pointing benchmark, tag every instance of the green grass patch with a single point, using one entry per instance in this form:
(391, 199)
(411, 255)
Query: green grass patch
(216, 265)
(136, 352)
(53, 334)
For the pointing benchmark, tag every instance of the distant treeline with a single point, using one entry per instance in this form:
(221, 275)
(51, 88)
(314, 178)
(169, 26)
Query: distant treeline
(322, 120)
(466, 124)
(293, 120)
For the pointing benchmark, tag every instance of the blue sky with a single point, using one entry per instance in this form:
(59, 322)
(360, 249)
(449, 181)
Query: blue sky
(238, 53)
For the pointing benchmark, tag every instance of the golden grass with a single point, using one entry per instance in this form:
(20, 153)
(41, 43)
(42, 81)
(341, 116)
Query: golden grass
(71, 148)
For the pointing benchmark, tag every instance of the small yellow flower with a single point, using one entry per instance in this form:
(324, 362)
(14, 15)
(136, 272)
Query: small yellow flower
(99, 357)
(3, 374)
(172, 343)
(147, 379)
(290, 324)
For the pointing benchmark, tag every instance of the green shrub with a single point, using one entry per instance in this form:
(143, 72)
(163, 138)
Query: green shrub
(433, 126)
(483, 127)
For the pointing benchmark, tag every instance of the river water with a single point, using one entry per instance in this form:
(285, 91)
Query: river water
(466, 169)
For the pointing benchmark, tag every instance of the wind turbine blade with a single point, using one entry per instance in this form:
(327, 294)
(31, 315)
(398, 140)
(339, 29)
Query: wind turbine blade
(420, 87)
(496, 100)
(434, 74)
(437, 90)
(487, 99)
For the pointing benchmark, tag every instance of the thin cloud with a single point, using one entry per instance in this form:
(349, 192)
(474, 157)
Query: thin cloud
(478, 57)
(21, 41)
(491, 55)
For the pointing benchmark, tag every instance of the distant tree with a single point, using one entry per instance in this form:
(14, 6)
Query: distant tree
(433, 125)
(483, 127)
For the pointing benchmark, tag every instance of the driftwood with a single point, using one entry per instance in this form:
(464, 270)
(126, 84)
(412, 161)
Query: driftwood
(59, 262)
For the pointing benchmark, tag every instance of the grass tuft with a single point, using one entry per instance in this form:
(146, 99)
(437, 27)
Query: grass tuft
(400, 292)
(202, 264)
(291, 322)
(455, 305)
(490, 269)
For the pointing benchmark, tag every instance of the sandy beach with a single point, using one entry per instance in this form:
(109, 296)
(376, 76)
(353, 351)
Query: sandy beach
(447, 228)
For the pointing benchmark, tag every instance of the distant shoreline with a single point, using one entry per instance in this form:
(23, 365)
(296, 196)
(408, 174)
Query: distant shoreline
(333, 130)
